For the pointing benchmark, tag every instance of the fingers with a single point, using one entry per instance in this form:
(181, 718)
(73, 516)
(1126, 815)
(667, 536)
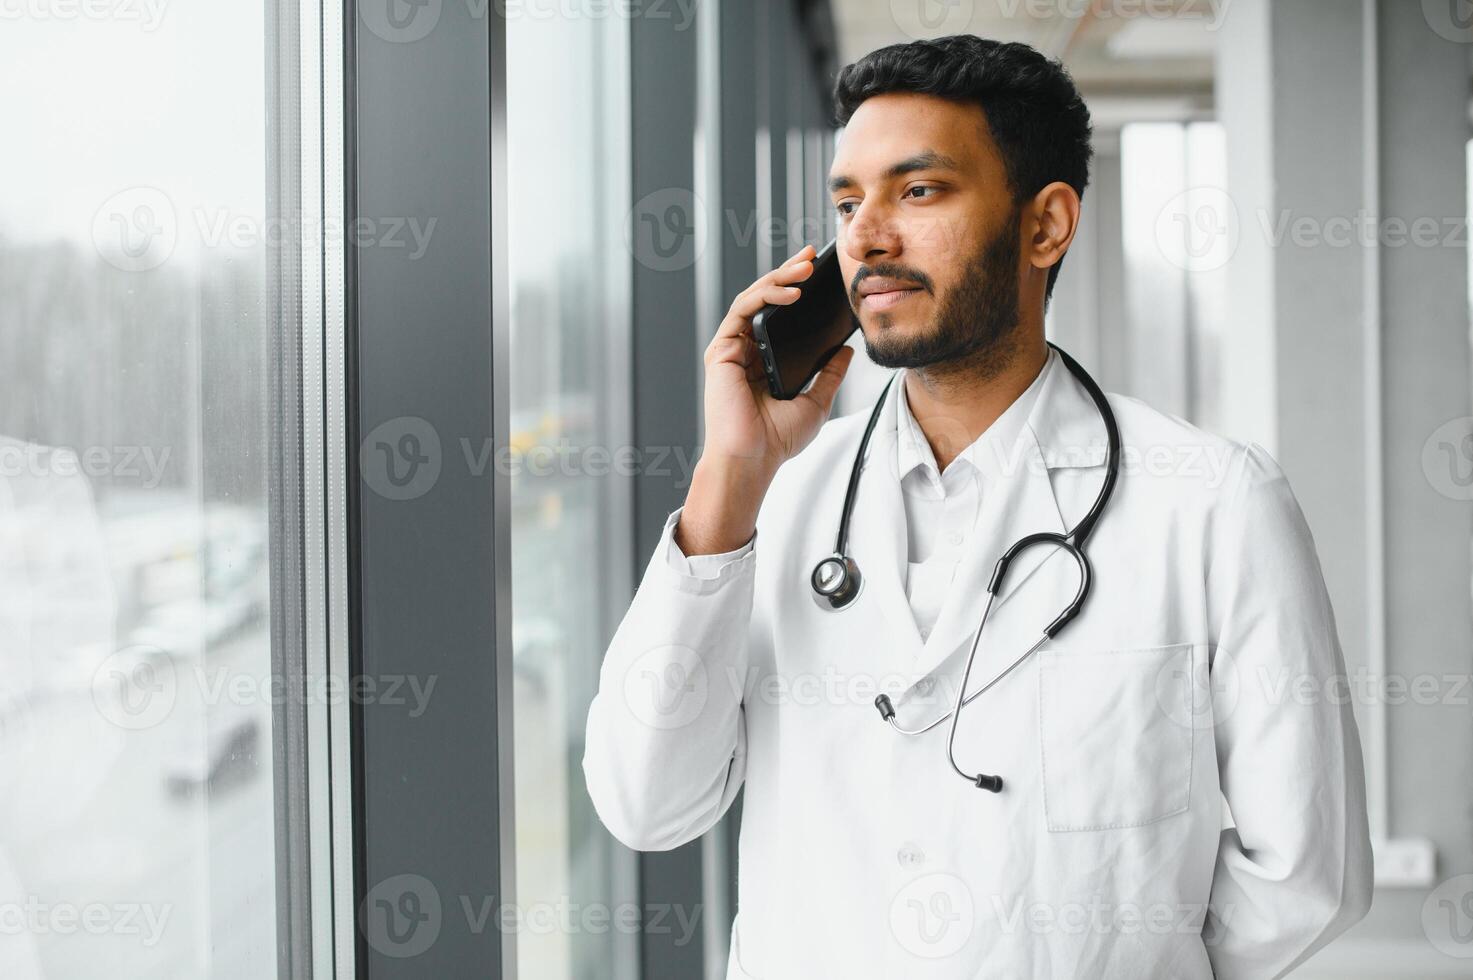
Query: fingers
(747, 305)
(776, 287)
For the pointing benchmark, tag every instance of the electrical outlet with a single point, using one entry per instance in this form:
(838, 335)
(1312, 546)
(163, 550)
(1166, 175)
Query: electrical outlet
(1405, 862)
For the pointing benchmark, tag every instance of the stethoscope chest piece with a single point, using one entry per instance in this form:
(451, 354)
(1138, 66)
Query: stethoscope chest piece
(836, 582)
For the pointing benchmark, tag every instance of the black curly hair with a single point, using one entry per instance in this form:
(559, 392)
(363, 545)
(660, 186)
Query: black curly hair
(1034, 113)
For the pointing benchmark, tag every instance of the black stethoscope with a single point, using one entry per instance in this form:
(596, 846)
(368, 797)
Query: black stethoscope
(836, 579)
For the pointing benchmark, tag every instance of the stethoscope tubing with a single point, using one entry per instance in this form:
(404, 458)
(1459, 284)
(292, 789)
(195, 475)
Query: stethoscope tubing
(846, 581)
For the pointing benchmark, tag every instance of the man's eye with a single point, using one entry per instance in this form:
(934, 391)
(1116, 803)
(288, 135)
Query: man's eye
(921, 188)
(843, 206)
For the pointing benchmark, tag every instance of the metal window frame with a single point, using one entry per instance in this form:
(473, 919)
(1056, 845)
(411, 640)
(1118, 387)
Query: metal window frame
(428, 578)
(310, 742)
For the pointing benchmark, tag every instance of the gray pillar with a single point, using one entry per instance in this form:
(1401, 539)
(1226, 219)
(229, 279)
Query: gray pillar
(1348, 348)
(1423, 111)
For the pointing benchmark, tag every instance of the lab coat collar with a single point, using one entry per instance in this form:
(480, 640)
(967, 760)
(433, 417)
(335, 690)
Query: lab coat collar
(991, 453)
(1063, 430)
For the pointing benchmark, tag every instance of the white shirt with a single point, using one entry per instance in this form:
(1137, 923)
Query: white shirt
(940, 508)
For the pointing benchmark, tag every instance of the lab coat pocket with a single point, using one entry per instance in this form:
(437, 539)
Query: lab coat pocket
(1113, 749)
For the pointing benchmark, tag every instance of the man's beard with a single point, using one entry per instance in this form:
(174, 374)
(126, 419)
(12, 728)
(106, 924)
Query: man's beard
(973, 330)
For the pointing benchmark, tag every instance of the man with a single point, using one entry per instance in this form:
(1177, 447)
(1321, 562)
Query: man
(1165, 810)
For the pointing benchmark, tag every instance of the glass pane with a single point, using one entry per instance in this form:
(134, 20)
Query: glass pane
(136, 792)
(1177, 233)
(566, 90)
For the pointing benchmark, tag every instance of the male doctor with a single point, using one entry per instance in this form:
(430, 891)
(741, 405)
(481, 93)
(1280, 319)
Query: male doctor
(1172, 804)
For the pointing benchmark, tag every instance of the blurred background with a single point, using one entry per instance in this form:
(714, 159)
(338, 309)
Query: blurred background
(268, 606)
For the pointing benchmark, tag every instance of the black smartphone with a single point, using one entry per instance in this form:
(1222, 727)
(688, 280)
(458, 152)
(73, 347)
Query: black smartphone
(797, 340)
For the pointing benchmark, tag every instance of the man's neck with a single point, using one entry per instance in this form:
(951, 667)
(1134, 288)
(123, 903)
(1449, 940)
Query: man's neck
(955, 403)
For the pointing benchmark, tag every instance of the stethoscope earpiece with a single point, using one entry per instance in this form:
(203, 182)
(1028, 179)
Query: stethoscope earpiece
(836, 582)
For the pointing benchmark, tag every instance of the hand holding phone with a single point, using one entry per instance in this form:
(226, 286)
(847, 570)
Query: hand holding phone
(796, 340)
(749, 432)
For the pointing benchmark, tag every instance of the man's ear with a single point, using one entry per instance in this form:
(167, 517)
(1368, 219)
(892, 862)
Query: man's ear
(1053, 217)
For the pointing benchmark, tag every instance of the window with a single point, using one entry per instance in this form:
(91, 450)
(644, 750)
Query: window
(567, 121)
(137, 303)
(1180, 230)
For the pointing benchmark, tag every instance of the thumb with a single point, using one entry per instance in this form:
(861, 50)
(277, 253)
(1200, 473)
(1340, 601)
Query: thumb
(825, 386)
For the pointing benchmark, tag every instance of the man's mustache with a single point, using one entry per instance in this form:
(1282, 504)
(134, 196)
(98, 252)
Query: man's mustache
(897, 272)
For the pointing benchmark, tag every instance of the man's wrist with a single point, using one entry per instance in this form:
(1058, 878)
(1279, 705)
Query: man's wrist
(720, 512)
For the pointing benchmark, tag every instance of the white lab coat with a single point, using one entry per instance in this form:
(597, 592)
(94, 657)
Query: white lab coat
(1183, 789)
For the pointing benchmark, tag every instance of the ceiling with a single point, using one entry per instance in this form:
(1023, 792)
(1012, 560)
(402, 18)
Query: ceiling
(1133, 60)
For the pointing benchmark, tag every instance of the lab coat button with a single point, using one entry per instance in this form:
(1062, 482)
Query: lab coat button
(910, 856)
(924, 685)
(957, 537)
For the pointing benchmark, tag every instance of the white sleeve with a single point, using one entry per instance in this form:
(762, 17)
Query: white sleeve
(1295, 871)
(665, 749)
